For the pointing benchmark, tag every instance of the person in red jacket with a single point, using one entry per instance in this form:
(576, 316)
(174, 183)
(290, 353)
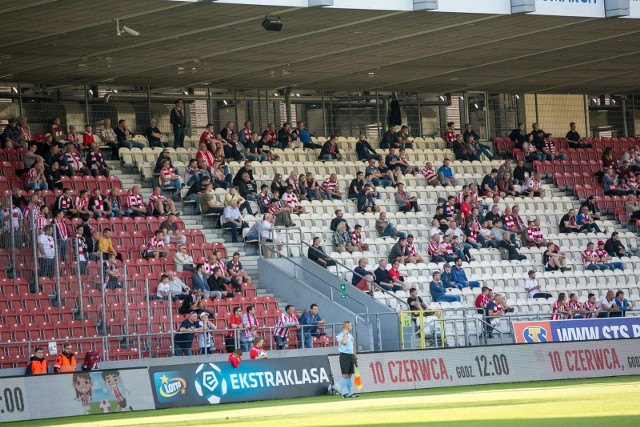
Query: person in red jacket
(236, 357)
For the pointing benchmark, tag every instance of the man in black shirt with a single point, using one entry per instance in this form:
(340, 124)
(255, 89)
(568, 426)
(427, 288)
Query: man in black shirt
(389, 139)
(538, 136)
(444, 222)
(246, 168)
(337, 220)
(195, 192)
(468, 131)
(510, 247)
(153, 135)
(247, 188)
(356, 186)
(415, 303)
(317, 255)
(383, 279)
(360, 269)
(574, 139)
(518, 135)
(184, 338)
(520, 172)
(364, 150)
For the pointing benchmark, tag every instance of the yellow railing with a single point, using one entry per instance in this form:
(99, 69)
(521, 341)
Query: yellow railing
(426, 325)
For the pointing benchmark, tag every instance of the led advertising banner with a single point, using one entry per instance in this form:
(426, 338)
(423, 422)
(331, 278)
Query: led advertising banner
(78, 393)
(576, 330)
(213, 383)
(583, 8)
(494, 364)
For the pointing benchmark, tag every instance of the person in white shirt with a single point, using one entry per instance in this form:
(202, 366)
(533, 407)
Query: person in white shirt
(183, 260)
(263, 231)
(46, 251)
(233, 220)
(435, 228)
(607, 306)
(179, 290)
(533, 288)
(164, 290)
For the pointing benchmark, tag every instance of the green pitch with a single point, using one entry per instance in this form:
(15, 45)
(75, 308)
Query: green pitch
(606, 401)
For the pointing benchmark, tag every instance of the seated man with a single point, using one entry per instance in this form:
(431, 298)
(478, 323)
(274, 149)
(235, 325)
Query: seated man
(447, 278)
(155, 247)
(495, 310)
(357, 239)
(533, 186)
(607, 307)
(614, 247)
(553, 259)
(534, 234)
(437, 252)
(438, 291)
(445, 174)
(510, 248)
(605, 258)
(414, 256)
(405, 201)
(342, 239)
(161, 205)
(317, 255)
(430, 174)
(400, 252)
(360, 271)
(364, 150)
(233, 220)
(459, 276)
(383, 278)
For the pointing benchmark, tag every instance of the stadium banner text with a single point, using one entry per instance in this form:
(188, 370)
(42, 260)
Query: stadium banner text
(449, 367)
(78, 393)
(576, 330)
(213, 383)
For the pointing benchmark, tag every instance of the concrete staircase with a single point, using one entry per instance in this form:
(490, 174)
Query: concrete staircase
(194, 222)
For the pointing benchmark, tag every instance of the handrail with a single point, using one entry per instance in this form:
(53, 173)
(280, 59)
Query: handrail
(274, 249)
(349, 269)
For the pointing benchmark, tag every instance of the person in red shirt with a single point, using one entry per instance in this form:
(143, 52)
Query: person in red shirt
(450, 134)
(235, 322)
(256, 351)
(483, 299)
(236, 357)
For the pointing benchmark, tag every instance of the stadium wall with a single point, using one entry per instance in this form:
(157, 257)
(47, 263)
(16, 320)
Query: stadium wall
(209, 383)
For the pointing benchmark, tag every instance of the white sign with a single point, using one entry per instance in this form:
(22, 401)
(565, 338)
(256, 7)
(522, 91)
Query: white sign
(584, 8)
(500, 7)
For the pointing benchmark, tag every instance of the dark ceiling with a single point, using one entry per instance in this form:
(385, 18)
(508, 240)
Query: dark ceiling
(186, 44)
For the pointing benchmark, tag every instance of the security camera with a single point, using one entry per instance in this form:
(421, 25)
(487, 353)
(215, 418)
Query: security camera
(130, 31)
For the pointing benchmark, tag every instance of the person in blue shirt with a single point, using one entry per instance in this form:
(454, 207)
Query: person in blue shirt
(348, 358)
(305, 138)
(309, 321)
(447, 278)
(438, 291)
(360, 269)
(459, 276)
(622, 303)
(445, 174)
(585, 222)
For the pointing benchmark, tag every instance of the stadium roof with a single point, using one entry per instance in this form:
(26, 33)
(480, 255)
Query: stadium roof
(187, 44)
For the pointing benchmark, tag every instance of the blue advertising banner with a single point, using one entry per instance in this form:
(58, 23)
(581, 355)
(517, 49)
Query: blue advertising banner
(213, 383)
(577, 330)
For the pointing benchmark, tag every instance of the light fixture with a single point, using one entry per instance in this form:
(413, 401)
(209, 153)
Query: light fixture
(442, 98)
(476, 105)
(185, 92)
(276, 94)
(298, 95)
(90, 92)
(613, 101)
(14, 90)
(462, 98)
(125, 29)
(225, 102)
(517, 96)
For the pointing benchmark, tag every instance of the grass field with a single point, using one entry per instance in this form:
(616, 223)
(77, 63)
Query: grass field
(606, 402)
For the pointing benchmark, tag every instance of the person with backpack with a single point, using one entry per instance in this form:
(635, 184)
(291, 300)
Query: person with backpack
(37, 363)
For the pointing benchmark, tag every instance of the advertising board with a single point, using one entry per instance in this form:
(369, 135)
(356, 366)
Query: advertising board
(213, 383)
(494, 364)
(79, 393)
(576, 330)
(581, 8)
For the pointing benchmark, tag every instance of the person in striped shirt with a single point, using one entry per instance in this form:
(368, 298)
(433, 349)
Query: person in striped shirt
(560, 309)
(135, 203)
(287, 319)
(330, 188)
(161, 205)
(590, 306)
(155, 247)
(534, 234)
(74, 162)
(577, 310)
(405, 201)
(549, 149)
(61, 234)
(429, 173)
(168, 177)
(99, 206)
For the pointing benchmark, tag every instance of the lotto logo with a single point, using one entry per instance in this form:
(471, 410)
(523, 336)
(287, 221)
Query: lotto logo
(535, 334)
(209, 383)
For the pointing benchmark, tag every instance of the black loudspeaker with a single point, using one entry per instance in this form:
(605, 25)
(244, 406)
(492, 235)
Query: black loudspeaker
(272, 23)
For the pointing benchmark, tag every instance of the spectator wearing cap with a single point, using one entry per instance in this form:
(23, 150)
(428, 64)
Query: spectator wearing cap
(438, 291)
(532, 286)
(606, 259)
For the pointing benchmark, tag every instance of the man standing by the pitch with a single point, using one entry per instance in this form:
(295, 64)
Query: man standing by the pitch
(347, 358)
